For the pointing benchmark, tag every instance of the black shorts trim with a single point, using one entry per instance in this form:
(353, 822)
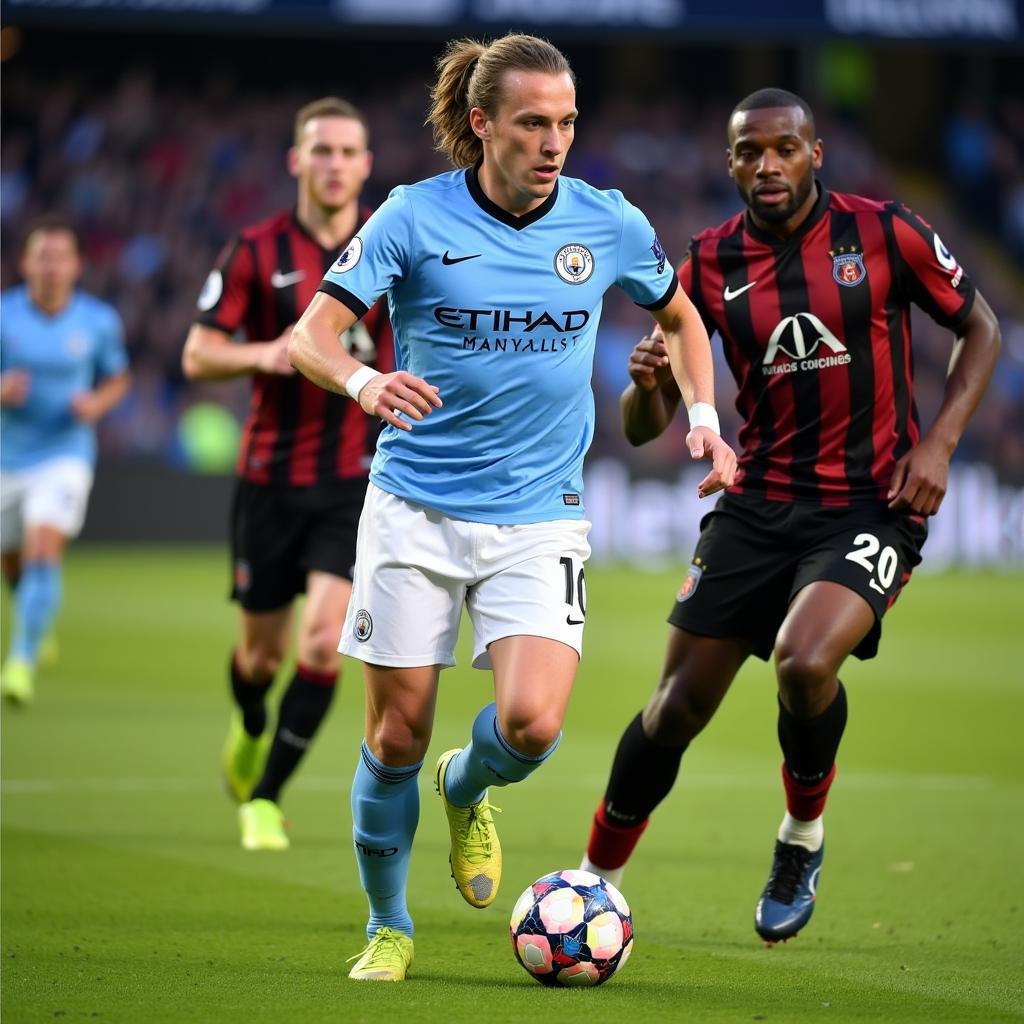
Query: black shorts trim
(754, 556)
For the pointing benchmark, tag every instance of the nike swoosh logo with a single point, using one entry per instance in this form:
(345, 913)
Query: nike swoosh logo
(573, 622)
(279, 280)
(450, 261)
(729, 294)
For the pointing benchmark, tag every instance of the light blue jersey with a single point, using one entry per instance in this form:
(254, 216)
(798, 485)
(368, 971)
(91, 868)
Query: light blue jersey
(500, 313)
(63, 356)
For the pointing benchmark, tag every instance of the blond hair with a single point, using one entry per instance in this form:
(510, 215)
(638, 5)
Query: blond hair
(470, 74)
(328, 106)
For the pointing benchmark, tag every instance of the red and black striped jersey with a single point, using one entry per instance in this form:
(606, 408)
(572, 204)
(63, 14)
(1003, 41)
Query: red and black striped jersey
(296, 433)
(816, 331)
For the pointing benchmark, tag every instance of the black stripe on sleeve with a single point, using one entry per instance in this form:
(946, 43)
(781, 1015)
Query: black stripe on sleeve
(665, 299)
(345, 297)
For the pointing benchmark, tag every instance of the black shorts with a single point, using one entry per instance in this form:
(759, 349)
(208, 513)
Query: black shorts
(281, 533)
(754, 555)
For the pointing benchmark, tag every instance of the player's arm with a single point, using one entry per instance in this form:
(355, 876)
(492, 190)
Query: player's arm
(14, 385)
(689, 354)
(314, 350)
(919, 479)
(211, 354)
(92, 406)
(652, 396)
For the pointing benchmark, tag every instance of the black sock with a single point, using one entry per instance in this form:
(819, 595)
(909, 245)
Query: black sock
(249, 698)
(304, 706)
(809, 745)
(643, 774)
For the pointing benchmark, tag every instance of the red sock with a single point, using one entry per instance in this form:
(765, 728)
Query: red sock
(610, 846)
(806, 803)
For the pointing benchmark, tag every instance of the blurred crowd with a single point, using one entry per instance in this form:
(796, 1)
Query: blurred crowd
(158, 177)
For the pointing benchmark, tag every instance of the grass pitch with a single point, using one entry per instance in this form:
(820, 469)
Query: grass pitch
(127, 898)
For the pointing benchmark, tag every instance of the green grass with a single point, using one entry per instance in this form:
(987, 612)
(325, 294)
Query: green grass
(126, 897)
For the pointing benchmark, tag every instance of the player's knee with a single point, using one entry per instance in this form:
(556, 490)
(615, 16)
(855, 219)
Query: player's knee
(803, 676)
(396, 741)
(531, 736)
(261, 663)
(319, 649)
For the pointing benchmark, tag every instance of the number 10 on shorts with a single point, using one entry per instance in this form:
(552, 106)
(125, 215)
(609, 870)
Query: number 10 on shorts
(881, 570)
(575, 590)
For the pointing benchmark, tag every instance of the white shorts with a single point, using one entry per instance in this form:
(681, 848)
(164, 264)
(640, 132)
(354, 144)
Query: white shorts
(54, 493)
(416, 568)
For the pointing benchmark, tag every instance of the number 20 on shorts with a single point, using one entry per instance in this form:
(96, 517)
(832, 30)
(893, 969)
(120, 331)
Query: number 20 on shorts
(865, 547)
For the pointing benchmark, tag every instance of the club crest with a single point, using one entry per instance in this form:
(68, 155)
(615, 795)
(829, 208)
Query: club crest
(690, 582)
(362, 628)
(574, 263)
(848, 266)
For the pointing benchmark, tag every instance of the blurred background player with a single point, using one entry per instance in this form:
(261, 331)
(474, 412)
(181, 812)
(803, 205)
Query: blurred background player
(303, 463)
(810, 292)
(63, 366)
(477, 502)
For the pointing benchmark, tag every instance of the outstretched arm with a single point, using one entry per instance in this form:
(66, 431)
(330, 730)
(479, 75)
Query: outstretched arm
(919, 478)
(315, 351)
(689, 353)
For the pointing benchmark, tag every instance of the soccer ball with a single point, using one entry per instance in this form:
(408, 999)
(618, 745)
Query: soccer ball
(571, 928)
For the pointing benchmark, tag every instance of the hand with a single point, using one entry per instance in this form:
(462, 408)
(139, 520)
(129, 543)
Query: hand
(14, 387)
(273, 357)
(389, 394)
(86, 407)
(703, 443)
(919, 479)
(648, 363)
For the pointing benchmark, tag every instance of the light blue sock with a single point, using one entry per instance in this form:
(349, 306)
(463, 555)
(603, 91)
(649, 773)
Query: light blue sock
(36, 602)
(489, 760)
(385, 812)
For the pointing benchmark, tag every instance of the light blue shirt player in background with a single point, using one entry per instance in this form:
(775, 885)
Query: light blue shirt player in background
(62, 366)
(495, 275)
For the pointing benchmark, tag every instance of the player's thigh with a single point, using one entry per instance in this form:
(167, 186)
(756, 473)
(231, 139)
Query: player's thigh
(409, 587)
(13, 488)
(266, 544)
(264, 640)
(323, 614)
(535, 585)
(55, 501)
(870, 554)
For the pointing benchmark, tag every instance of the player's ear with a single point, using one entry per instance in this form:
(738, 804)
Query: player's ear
(728, 159)
(293, 162)
(817, 154)
(480, 123)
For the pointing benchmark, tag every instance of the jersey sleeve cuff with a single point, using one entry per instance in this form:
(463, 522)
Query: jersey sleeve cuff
(345, 297)
(957, 319)
(210, 320)
(665, 299)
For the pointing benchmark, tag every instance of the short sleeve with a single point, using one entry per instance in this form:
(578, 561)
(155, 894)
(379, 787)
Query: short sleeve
(224, 300)
(929, 274)
(644, 272)
(111, 355)
(376, 259)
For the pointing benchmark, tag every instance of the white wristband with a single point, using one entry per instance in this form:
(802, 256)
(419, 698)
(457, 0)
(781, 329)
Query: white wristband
(360, 379)
(703, 414)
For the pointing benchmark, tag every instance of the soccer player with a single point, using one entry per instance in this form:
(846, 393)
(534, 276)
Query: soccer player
(810, 292)
(303, 463)
(63, 366)
(495, 274)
